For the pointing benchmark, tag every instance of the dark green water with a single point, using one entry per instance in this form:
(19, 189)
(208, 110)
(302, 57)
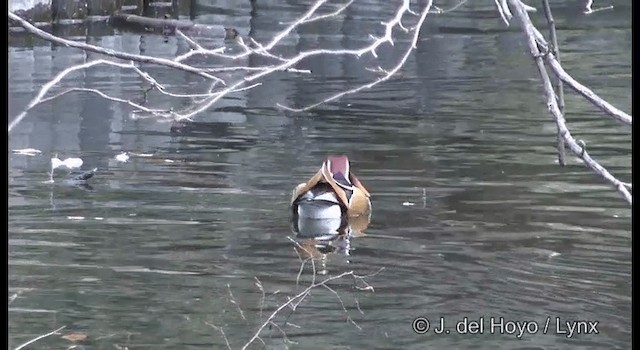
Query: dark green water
(472, 216)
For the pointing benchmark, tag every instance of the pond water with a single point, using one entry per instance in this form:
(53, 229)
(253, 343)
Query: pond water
(472, 216)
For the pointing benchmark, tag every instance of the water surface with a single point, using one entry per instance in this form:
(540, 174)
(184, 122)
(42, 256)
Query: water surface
(472, 216)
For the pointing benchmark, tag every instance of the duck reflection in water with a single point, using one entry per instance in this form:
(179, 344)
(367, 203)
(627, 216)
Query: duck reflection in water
(316, 238)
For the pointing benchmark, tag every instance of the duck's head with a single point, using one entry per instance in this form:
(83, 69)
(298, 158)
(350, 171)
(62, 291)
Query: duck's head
(336, 171)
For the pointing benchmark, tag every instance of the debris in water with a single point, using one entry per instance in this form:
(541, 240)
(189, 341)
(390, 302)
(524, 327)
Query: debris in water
(122, 157)
(32, 152)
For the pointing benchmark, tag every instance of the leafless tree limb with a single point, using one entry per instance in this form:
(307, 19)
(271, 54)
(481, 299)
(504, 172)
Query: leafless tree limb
(577, 147)
(219, 329)
(346, 312)
(261, 288)
(589, 10)
(157, 112)
(332, 14)
(586, 92)
(203, 101)
(112, 53)
(15, 295)
(372, 49)
(192, 43)
(252, 48)
(233, 301)
(451, 9)
(294, 301)
(288, 63)
(559, 88)
(39, 337)
(284, 334)
(39, 98)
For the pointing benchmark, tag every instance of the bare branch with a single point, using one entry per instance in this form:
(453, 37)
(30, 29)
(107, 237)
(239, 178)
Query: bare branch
(192, 44)
(588, 10)
(560, 91)
(298, 297)
(284, 334)
(587, 93)
(332, 14)
(110, 98)
(556, 67)
(15, 295)
(504, 11)
(39, 337)
(343, 307)
(455, 7)
(259, 285)
(219, 329)
(388, 74)
(233, 301)
(109, 52)
(45, 88)
(552, 104)
(276, 39)
(284, 64)
(39, 98)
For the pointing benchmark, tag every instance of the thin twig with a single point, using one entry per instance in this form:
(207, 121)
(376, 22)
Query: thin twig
(17, 294)
(109, 52)
(332, 14)
(39, 98)
(259, 285)
(342, 304)
(298, 296)
(588, 10)
(559, 88)
(587, 93)
(219, 329)
(455, 7)
(552, 104)
(284, 334)
(283, 64)
(192, 43)
(40, 337)
(378, 42)
(233, 301)
(110, 98)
